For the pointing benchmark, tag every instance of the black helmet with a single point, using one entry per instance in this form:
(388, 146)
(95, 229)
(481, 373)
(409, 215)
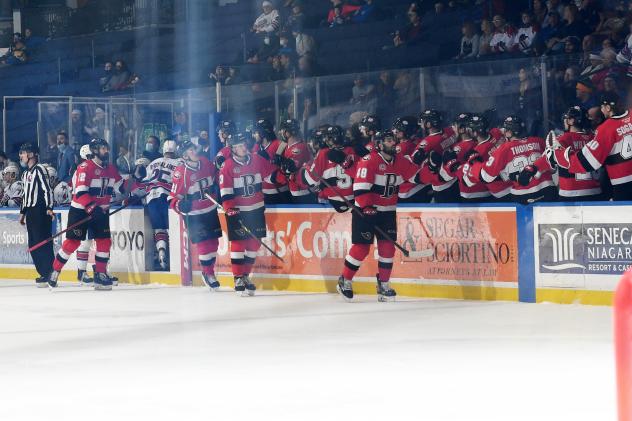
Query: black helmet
(184, 146)
(613, 100)
(462, 120)
(383, 135)
(265, 128)
(226, 126)
(432, 117)
(290, 125)
(406, 124)
(478, 124)
(97, 143)
(334, 135)
(576, 113)
(371, 123)
(515, 124)
(236, 139)
(29, 148)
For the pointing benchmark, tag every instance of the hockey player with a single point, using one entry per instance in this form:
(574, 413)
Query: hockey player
(62, 192)
(335, 164)
(95, 182)
(296, 155)
(369, 126)
(510, 158)
(158, 183)
(225, 129)
(13, 190)
(240, 182)
(378, 176)
(192, 180)
(572, 187)
(611, 148)
(404, 129)
(268, 146)
(83, 252)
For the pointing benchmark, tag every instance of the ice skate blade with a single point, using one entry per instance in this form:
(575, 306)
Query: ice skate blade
(103, 287)
(214, 289)
(385, 299)
(250, 292)
(242, 293)
(41, 284)
(347, 299)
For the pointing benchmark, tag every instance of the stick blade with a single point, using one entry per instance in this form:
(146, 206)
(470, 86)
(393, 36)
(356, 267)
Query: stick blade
(419, 254)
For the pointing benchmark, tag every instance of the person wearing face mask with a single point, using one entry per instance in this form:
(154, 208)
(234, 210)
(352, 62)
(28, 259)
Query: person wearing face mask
(5, 162)
(152, 148)
(204, 144)
(65, 158)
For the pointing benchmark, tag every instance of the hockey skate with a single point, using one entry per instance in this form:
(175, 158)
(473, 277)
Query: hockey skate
(384, 291)
(102, 282)
(211, 281)
(345, 288)
(41, 282)
(240, 286)
(83, 278)
(250, 287)
(52, 279)
(163, 259)
(113, 279)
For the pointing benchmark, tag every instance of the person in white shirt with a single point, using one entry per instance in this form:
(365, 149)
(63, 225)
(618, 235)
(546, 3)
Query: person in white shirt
(269, 21)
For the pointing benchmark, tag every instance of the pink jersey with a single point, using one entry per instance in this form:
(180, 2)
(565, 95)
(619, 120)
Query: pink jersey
(191, 181)
(323, 168)
(93, 183)
(298, 152)
(241, 183)
(280, 185)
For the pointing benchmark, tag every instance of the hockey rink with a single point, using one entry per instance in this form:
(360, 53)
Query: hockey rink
(169, 353)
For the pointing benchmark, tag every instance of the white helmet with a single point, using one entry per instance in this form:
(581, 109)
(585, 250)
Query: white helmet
(12, 170)
(84, 152)
(169, 146)
(52, 172)
(143, 162)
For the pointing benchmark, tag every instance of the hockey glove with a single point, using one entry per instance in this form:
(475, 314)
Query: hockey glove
(449, 155)
(434, 161)
(527, 174)
(361, 150)
(419, 156)
(219, 161)
(91, 208)
(289, 166)
(133, 200)
(263, 154)
(349, 160)
(332, 181)
(452, 165)
(185, 206)
(232, 212)
(336, 156)
(475, 157)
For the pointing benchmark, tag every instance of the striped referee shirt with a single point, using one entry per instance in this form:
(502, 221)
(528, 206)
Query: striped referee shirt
(36, 188)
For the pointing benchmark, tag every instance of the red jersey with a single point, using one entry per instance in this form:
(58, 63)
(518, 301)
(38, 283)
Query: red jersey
(406, 147)
(192, 182)
(611, 147)
(574, 185)
(377, 180)
(298, 152)
(241, 184)
(222, 156)
(512, 157)
(437, 142)
(323, 168)
(449, 171)
(93, 183)
(498, 188)
(280, 185)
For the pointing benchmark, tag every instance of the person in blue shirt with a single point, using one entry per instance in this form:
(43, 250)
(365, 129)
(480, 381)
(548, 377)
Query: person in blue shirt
(65, 159)
(366, 13)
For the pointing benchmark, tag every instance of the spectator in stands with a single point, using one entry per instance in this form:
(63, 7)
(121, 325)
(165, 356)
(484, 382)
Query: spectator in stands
(529, 102)
(588, 46)
(277, 72)
(233, 76)
(527, 33)
(80, 135)
(439, 8)
(268, 22)
(287, 67)
(124, 161)
(96, 127)
(584, 92)
(487, 33)
(610, 85)
(363, 93)
(339, 18)
(385, 94)
(180, 126)
(551, 31)
(596, 71)
(573, 27)
(539, 10)
(297, 18)
(5, 162)
(589, 11)
(307, 67)
(341, 10)
(31, 40)
(367, 12)
(106, 76)
(121, 78)
(553, 6)
(48, 155)
(305, 44)
(65, 158)
(469, 42)
(17, 55)
(220, 75)
(411, 34)
(152, 148)
(504, 37)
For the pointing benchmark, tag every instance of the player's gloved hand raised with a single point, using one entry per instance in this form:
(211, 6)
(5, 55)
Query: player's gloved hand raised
(369, 211)
(434, 161)
(550, 156)
(219, 161)
(527, 174)
(263, 154)
(349, 160)
(361, 150)
(449, 155)
(232, 212)
(418, 156)
(185, 206)
(289, 166)
(336, 156)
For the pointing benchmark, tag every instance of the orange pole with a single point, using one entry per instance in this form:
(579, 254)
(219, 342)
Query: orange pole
(623, 345)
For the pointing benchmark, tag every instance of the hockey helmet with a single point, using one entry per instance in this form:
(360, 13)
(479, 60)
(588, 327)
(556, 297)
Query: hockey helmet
(478, 124)
(236, 139)
(169, 146)
(29, 148)
(370, 123)
(52, 172)
(265, 128)
(287, 128)
(227, 127)
(85, 152)
(95, 146)
(576, 113)
(334, 136)
(515, 125)
(406, 125)
(431, 118)
(10, 172)
(462, 120)
(185, 146)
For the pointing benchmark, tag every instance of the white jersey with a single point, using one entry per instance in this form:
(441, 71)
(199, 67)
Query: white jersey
(159, 177)
(62, 194)
(13, 195)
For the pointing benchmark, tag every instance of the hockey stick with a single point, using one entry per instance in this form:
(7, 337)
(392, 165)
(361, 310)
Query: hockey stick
(75, 225)
(408, 253)
(245, 228)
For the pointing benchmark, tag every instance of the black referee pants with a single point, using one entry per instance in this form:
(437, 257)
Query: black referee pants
(39, 226)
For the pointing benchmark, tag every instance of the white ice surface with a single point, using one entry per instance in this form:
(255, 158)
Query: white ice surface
(166, 353)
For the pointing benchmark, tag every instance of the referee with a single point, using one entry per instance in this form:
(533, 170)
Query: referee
(37, 211)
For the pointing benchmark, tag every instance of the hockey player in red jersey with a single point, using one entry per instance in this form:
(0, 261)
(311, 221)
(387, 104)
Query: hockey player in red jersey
(572, 187)
(487, 140)
(430, 150)
(335, 164)
(611, 148)
(93, 187)
(191, 181)
(225, 129)
(240, 183)
(268, 146)
(404, 129)
(378, 177)
(510, 158)
(296, 155)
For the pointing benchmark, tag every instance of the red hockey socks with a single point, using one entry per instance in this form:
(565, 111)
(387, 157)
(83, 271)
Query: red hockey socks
(238, 256)
(385, 251)
(207, 251)
(357, 254)
(250, 255)
(102, 256)
(161, 238)
(67, 249)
